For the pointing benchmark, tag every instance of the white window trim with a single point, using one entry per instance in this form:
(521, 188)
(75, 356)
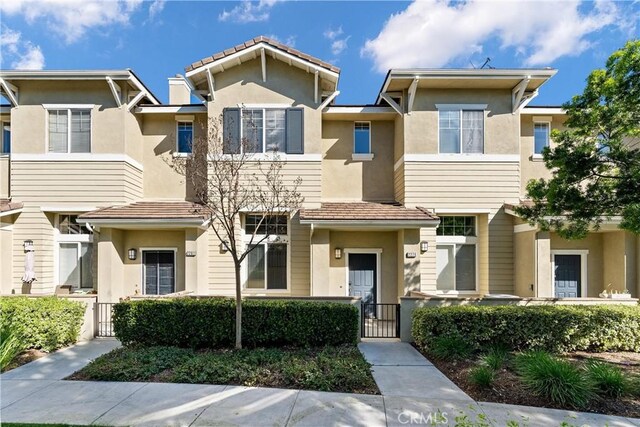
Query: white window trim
(378, 253)
(2, 124)
(69, 108)
(244, 272)
(354, 138)
(540, 121)
(460, 240)
(141, 250)
(460, 108)
(179, 153)
(583, 268)
(264, 108)
(67, 238)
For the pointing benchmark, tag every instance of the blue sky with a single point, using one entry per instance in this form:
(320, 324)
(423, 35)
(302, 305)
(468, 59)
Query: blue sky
(157, 39)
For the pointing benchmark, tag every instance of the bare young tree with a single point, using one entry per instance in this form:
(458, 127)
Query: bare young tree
(229, 180)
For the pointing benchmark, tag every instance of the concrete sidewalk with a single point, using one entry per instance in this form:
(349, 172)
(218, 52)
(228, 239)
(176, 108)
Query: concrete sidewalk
(36, 394)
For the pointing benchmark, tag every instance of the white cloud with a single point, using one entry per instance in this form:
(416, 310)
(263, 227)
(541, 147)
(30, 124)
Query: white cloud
(23, 54)
(338, 43)
(156, 8)
(289, 41)
(71, 19)
(248, 11)
(433, 33)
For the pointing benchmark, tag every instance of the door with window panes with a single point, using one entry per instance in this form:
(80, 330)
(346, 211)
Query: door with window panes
(456, 254)
(75, 253)
(267, 263)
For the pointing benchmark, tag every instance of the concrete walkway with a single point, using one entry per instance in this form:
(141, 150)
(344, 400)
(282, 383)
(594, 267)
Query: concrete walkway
(35, 393)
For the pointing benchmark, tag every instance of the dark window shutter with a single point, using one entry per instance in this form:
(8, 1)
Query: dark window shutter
(231, 131)
(295, 132)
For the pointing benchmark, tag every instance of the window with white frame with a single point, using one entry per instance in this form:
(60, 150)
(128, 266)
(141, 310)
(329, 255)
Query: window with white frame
(184, 137)
(69, 130)
(461, 131)
(263, 130)
(541, 136)
(456, 254)
(362, 138)
(6, 138)
(75, 253)
(266, 266)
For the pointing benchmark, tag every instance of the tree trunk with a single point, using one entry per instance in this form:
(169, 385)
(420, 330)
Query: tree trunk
(238, 308)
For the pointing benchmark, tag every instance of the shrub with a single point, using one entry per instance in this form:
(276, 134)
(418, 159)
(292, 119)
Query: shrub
(210, 323)
(11, 344)
(550, 328)
(449, 347)
(47, 323)
(481, 376)
(555, 379)
(608, 380)
(495, 357)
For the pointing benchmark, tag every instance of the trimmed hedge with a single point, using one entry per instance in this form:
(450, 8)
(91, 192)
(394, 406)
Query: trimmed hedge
(47, 323)
(210, 323)
(551, 328)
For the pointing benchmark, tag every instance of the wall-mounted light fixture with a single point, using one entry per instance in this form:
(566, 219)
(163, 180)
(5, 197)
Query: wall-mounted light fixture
(28, 246)
(424, 246)
(223, 247)
(338, 253)
(133, 254)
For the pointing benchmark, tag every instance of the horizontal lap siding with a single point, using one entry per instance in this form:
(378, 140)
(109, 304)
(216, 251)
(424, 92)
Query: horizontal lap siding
(472, 185)
(398, 184)
(60, 183)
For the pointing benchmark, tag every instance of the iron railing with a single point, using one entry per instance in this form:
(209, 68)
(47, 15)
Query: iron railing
(380, 320)
(104, 312)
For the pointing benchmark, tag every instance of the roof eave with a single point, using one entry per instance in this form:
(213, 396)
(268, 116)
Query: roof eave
(369, 223)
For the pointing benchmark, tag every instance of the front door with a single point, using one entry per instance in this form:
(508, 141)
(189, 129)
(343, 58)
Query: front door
(567, 276)
(159, 272)
(362, 277)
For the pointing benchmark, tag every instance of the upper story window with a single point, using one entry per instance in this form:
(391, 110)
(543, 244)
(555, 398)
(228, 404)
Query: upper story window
(6, 138)
(541, 138)
(457, 226)
(461, 130)
(69, 131)
(362, 138)
(270, 225)
(185, 137)
(263, 130)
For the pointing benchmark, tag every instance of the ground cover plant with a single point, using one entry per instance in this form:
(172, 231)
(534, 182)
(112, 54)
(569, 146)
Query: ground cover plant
(330, 368)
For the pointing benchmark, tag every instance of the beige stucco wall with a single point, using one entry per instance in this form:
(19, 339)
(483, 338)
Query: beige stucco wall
(534, 168)
(333, 281)
(524, 253)
(346, 179)
(161, 181)
(501, 127)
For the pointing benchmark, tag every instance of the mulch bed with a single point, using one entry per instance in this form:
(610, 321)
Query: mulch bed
(24, 358)
(507, 387)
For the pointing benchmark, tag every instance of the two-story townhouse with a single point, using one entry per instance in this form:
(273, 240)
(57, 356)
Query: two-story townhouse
(412, 193)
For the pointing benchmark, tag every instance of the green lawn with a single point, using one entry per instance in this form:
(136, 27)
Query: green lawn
(339, 369)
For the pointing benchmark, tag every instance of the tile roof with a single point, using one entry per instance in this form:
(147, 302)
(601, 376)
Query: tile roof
(523, 203)
(7, 205)
(338, 211)
(150, 210)
(262, 39)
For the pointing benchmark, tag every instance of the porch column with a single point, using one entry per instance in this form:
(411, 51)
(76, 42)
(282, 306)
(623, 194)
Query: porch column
(110, 265)
(543, 274)
(195, 263)
(408, 266)
(320, 258)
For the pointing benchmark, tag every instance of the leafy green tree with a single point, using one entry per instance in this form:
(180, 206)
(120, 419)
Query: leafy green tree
(595, 163)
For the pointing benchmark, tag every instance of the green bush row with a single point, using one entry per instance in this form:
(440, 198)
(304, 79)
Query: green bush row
(550, 328)
(47, 323)
(210, 323)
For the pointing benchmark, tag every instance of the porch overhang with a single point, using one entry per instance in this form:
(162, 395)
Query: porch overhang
(608, 224)
(7, 207)
(367, 216)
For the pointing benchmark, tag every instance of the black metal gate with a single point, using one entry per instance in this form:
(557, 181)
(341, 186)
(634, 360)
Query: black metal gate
(380, 320)
(104, 312)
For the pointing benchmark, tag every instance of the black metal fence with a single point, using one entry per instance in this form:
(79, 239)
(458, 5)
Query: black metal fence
(104, 311)
(380, 320)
